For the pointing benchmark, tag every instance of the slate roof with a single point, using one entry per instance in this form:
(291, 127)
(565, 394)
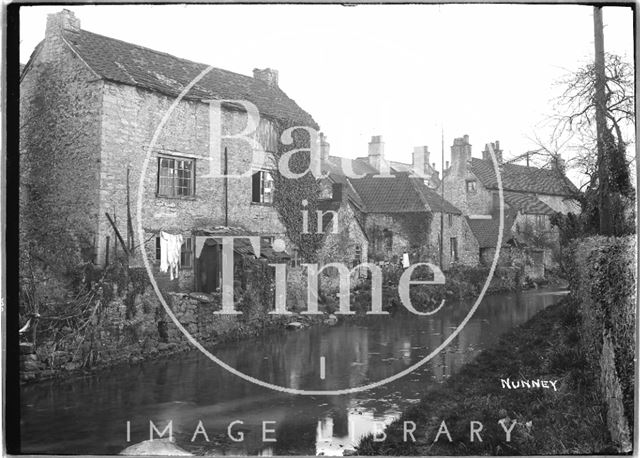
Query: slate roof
(526, 203)
(134, 65)
(486, 230)
(521, 178)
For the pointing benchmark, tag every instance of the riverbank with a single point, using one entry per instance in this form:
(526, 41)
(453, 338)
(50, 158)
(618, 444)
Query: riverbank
(129, 326)
(561, 419)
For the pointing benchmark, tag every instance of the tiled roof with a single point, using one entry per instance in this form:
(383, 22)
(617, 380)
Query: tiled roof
(486, 230)
(435, 200)
(333, 166)
(521, 178)
(526, 203)
(134, 65)
(393, 194)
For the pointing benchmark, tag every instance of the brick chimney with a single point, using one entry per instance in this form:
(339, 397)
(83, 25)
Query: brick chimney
(268, 75)
(64, 20)
(460, 154)
(420, 160)
(376, 151)
(324, 147)
(560, 164)
(486, 154)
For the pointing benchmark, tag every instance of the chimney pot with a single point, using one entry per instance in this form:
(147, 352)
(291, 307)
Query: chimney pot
(268, 75)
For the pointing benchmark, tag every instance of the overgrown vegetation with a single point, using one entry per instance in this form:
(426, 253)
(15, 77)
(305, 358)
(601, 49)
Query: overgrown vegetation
(602, 279)
(608, 189)
(567, 421)
(290, 192)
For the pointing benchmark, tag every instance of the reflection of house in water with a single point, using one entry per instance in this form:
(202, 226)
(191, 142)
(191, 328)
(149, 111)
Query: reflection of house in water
(332, 438)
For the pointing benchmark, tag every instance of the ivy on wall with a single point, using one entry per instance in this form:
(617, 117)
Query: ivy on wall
(289, 194)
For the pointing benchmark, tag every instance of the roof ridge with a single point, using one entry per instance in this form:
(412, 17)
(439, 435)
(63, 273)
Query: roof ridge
(162, 53)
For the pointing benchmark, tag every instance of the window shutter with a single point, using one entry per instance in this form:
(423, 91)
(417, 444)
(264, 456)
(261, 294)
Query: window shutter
(255, 187)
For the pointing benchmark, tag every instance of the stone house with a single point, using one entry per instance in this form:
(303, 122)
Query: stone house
(105, 99)
(399, 213)
(531, 196)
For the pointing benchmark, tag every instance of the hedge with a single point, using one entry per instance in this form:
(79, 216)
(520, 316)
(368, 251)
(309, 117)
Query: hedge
(602, 277)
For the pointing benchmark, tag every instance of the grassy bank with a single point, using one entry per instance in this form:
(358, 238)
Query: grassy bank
(566, 421)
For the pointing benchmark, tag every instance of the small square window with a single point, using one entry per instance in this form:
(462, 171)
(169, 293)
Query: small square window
(176, 177)
(471, 186)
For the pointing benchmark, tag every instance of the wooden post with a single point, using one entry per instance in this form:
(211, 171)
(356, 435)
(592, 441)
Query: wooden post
(115, 229)
(129, 222)
(601, 124)
(442, 202)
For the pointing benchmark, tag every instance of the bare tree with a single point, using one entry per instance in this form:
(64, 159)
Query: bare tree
(573, 128)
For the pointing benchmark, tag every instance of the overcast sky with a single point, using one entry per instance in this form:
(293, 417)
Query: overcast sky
(401, 71)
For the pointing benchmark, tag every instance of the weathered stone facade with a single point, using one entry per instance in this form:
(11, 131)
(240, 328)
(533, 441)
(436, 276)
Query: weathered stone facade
(60, 133)
(454, 226)
(531, 195)
(99, 131)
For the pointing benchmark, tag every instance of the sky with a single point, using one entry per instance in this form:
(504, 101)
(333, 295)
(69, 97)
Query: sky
(406, 72)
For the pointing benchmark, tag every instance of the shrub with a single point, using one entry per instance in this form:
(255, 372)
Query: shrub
(602, 280)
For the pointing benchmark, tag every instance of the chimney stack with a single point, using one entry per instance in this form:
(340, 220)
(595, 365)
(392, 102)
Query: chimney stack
(486, 154)
(59, 22)
(420, 160)
(460, 154)
(268, 75)
(560, 164)
(324, 147)
(376, 151)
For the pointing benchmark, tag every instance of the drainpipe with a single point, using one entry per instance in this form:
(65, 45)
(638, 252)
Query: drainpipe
(226, 189)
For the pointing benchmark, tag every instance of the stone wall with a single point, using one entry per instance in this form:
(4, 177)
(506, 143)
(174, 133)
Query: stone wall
(341, 247)
(130, 325)
(60, 122)
(130, 118)
(389, 248)
(458, 227)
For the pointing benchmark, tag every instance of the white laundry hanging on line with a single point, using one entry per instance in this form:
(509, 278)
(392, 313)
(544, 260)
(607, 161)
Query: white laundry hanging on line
(405, 260)
(170, 248)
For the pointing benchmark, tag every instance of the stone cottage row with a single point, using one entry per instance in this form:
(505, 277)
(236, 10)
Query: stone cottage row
(91, 107)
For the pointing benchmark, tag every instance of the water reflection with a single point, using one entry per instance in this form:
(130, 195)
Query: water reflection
(89, 415)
